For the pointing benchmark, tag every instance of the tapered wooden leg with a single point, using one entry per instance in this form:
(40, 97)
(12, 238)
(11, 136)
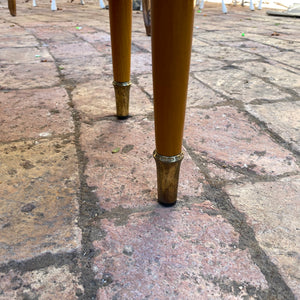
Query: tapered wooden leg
(12, 7)
(147, 15)
(120, 13)
(172, 30)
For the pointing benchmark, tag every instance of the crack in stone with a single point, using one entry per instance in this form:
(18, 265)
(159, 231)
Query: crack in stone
(278, 289)
(273, 135)
(237, 288)
(88, 211)
(266, 80)
(42, 261)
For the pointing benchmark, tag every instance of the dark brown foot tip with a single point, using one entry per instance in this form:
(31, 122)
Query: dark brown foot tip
(167, 204)
(122, 117)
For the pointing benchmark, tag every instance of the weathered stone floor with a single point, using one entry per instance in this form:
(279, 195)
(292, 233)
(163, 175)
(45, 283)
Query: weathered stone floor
(78, 214)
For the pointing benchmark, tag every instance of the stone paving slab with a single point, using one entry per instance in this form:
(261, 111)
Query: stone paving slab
(55, 34)
(281, 44)
(201, 62)
(20, 55)
(215, 36)
(8, 29)
(226, 135)
(218, 171)
(96, 100)
(81, 70)
(276, 226)
(39, 208)
(44, 284)
(252, 47)
(226, 53)
(201, 95)
(103, 49)
(238, 85)
(121, 169)
(25, 40)
(181, 253)
(34, 113)
(279, 117)
(25, 76)
(197, 43)
(282, 78)
(291, 59)
(101, 37)
(63, 51)
(78, 28)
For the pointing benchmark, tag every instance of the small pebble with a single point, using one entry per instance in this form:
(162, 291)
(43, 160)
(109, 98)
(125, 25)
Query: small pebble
(27, 207)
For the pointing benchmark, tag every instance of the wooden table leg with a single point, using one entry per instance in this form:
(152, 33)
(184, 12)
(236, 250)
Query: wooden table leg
(120, 13)
(172, 31)
(12, 7)
(147, 15)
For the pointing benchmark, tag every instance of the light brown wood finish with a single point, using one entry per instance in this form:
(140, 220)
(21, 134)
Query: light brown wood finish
(12, 7)
(120, 13)
(172, 30)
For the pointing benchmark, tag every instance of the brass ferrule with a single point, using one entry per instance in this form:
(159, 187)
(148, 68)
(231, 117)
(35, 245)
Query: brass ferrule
(122, 98)
(168, 168)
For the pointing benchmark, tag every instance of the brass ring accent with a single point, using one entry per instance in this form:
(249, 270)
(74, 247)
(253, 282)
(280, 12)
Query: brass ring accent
(168, 159)
(127, 83)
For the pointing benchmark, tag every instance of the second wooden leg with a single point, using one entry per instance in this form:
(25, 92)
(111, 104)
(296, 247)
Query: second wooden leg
(120, 13)
(12, 7)
(147, 16)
